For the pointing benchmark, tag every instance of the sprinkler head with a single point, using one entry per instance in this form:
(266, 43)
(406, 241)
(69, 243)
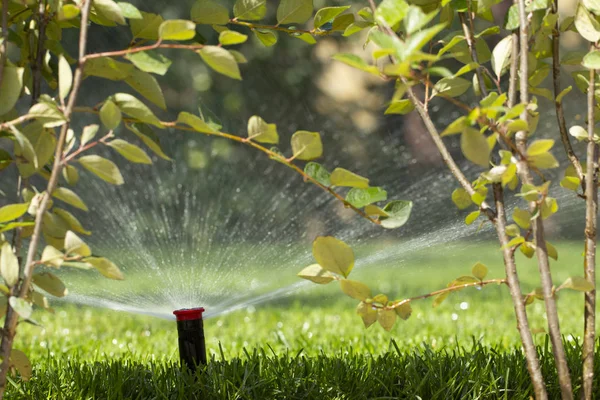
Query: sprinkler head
(192, 349)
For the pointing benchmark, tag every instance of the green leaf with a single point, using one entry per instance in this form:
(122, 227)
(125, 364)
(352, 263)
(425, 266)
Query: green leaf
(501, 56)
(69, 197)
(147, 27)
(479, 271)
(343, 177)
(401, 107)
(68, 11)
(89, 132)
(363, 197)
(522, 218)
(109, 10)
(333, 255)
(239, 57)
(390, 12)
(367, 313)
(586, 24)
(549, 207)
(513, 230)
(70, 219)
(307, 145)
(591, 60)
(65, 77)
(195, 122)
(267, 38)
(12, 211)
(463, 280)
(261, 131)
(356, 27)
(452, 86)
(15, 225)
(150, 61)
(386, 318)
(105, 267)
(227, 38)
(356, 290)
(9, 265)
(538, 147)
(177, 29)
(5, 159)
(342, 22)
(250, 10)
(209, 12)
(51, 256)
(327, 14)
(563, 93)
(440, 298)
(110, 115)
(50, 283)
(544, 161)
(47, 114)
(356, 62)
(146, 85)
(515, 241)
(316, 274)
(578, 132)
(398, 212)
(146, 135)
(21, 307)
(475, 147)
(130, 151)
(102, 168)
(417, 19)
(129, 10)
(404, 310)
(136, 109)
(461, 198)
(74, 245)
(551, 250)
(472, 217)
(221, 61)
(294, 11)
(577, 283)
(318, 173)
(107, 68)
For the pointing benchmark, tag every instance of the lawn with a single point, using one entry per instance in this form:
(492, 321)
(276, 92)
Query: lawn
(312, 344)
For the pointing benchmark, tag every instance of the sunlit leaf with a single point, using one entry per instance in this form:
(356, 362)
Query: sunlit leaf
(102, 168)
(439, 299)
(472, 217)
(356, 290)
(475, 147)
(228, 38)
(52, 256)
(356, 62)
(577, 283)
(146, 85)
(386, 318)
(12, 211)
(333, 255)
(538, 147)
(74, 245)
(107, 68)
(451, 86)
(136, 109)
(177, 29)
(21, 306)
(250, 10)
(578, 132)
(130, 151)
(110, 115)
(150, 61)
(316, 274)
(390, 12)
(209, 12)
(404, 310)
(343, 177)
(19, 360)
(195, 122)
(9, 265)
(109, 10)
(398, 212)
(261, 131)
(362, 197)
(586, 24)
(221, 61)
(551, 250)
(146, 135)
(501, 55)
(69, 197)
(327, 14)
(47, 114)
(461, 198)
(318, 173)
(401, 107)
(65, 77)
(479, 271)
(307, 145)
(147, 27)
(294, 11)
(89, 132)
(266, 37)
(367, 313)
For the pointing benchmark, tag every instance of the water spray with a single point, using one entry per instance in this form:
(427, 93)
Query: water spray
(192, 349)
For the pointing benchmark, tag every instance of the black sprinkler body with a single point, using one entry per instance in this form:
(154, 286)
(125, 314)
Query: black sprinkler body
(192, 348)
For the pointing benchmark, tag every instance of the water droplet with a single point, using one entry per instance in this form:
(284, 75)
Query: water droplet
(464, 305)
(454, 316)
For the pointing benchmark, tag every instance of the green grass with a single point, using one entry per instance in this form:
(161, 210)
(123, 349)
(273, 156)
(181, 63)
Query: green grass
(312, 345)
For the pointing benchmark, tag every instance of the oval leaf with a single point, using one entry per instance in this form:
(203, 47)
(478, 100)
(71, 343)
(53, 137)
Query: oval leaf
(356, 290)
(9, 265)
(307, 145)
(221, 61)
(177, 29)
(343, 177)
(50, 283)
(130, 151)
(333, 255)
(102, 168)
(316, 274)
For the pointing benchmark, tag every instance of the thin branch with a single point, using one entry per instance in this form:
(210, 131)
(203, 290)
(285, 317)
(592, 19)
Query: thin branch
(446, 156)
(538, 225)
(591, 212)
(514, 286)
(88, 146)
(446, 290)
(36, 66)
(16, 121)
(472, 49)
(514, 71)
(558, 105)
(294, 31)
(11, 318)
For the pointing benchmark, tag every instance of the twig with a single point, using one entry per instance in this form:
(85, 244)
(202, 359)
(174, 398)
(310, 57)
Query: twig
(538, 225)
(4, 45)
(471, 43)
(314, 32)
(591, 211)
(11, 318)
(88, 146)
(36, 66)
(514, 286)
(446, 156)
(16, 121)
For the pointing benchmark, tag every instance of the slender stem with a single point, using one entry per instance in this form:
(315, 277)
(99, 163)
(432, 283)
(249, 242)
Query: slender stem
(16, 121)
(591, 212)
(11, 318)
(514, 286)
(88, 146)
(558, 105)
(537, 223)
(252, 26)
(472, 49)
(446, 156)
(36, 66)
(4, 44)
(446, 290)
(514, 71)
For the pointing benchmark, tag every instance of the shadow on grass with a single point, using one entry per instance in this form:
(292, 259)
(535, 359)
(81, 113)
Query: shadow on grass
(481, 372)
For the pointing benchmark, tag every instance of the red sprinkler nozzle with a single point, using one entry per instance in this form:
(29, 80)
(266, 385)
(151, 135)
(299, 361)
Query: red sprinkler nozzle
(190, 327)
